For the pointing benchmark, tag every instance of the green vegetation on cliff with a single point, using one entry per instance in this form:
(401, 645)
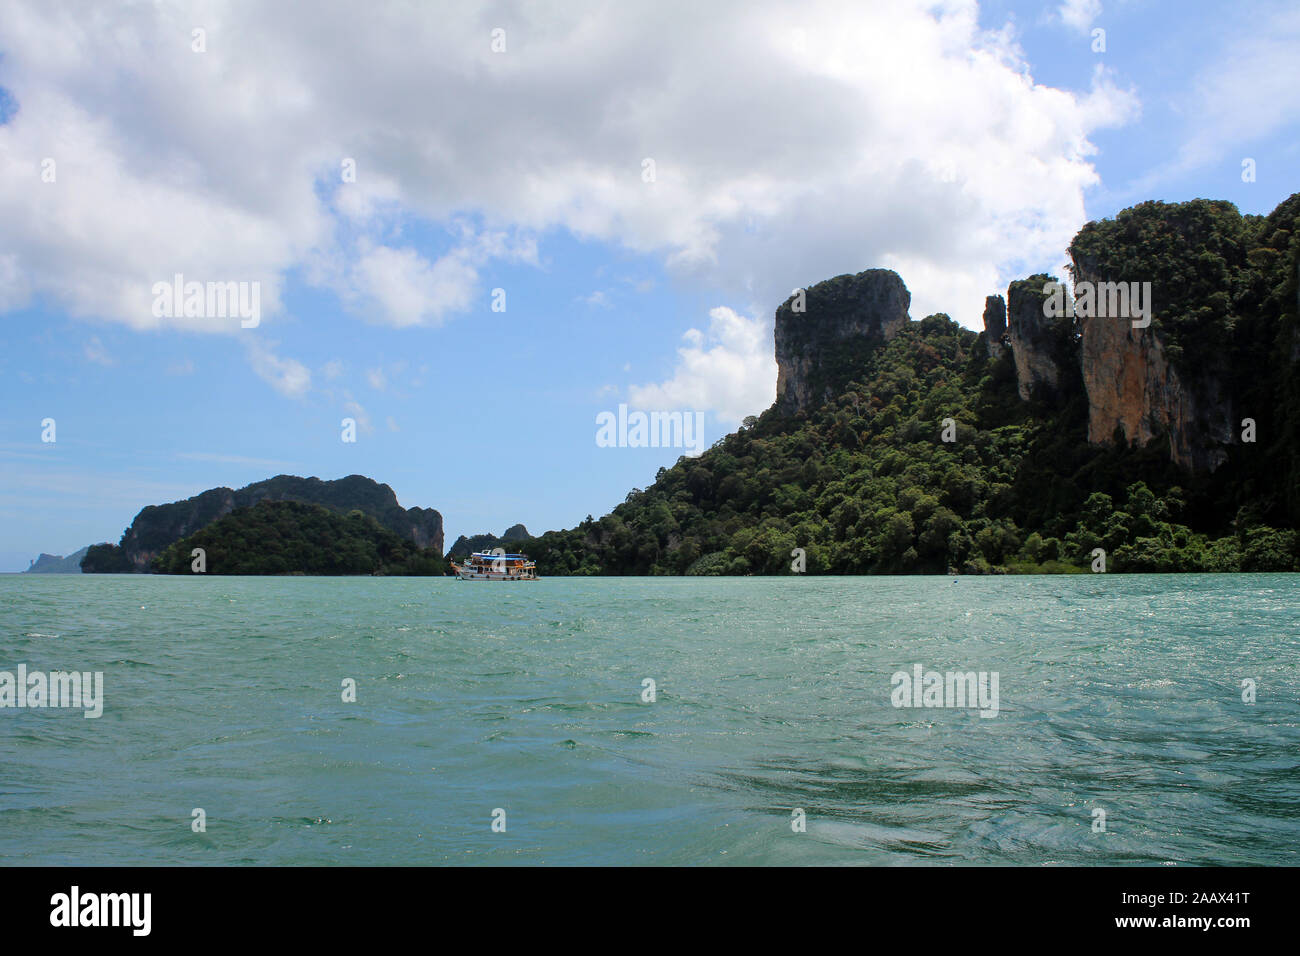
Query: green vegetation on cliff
(290, 537)
(105, 559)
(1226, 301)
(866, 483)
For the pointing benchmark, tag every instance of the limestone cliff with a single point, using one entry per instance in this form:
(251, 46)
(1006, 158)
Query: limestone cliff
(1220, 290)
(995, 325)
(820, 349)
(1039, 343)
(1132, 387)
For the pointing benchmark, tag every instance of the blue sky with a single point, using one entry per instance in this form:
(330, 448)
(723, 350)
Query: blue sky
(962, 144)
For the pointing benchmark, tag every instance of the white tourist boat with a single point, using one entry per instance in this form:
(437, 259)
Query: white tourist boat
(496, 566)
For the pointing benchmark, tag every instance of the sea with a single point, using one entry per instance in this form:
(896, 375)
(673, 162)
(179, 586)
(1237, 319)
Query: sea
(1144, 720)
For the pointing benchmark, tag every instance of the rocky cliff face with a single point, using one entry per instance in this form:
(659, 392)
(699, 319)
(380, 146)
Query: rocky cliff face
(1221, 289)
(820, 349)
(423, 526)
(1132, 387)
(157, 526)
(995, 325)
(1038, 342)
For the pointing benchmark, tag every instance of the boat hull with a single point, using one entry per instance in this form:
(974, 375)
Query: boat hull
(480, 569)
(471, 576)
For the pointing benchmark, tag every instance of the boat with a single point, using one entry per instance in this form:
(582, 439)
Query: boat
(496, 566)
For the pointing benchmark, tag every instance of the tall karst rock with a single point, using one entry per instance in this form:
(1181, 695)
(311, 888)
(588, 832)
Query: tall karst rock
(995, 325)
(820, 349)
(1040, 344)
(1170, 380)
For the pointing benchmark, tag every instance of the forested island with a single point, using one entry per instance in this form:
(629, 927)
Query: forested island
(293, 537)
(284, 525)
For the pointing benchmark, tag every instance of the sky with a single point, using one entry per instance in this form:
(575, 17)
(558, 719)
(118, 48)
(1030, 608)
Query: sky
(473, 228)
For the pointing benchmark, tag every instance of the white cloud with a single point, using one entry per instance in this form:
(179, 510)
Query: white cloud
(895, 131)
(377, 379)
(287, 376)
(401, 287)
(729, 370)
(411, 290)
(1079, 14)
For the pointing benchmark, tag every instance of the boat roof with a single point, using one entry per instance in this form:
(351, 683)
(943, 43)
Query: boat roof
(489, 554)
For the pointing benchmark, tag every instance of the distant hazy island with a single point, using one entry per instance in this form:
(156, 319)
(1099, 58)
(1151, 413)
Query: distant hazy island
(1163, 435)
(57, 563)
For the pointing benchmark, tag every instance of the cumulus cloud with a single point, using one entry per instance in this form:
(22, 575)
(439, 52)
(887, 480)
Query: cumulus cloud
(402, 287)
(729, 370)
(787, 146)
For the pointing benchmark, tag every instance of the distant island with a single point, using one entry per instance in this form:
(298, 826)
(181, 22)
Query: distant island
(284, 525)
(57, 564)
(1153, 425)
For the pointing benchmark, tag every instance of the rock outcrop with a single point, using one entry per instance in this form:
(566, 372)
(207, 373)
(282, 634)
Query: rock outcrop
(995, 325)
(1038, 342)
(821, 348)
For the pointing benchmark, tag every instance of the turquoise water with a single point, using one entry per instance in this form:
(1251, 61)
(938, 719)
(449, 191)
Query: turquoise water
(1115, 692)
